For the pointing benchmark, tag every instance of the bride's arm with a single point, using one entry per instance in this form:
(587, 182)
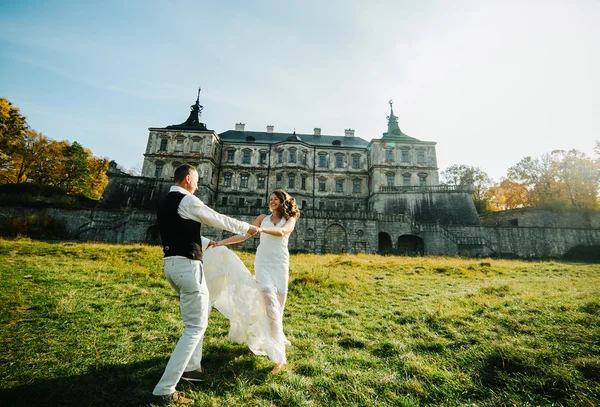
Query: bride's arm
(287, 228)
(240, 238)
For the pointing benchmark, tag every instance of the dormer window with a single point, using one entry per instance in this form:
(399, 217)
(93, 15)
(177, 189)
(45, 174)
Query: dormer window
(250, 138)
(336, 143)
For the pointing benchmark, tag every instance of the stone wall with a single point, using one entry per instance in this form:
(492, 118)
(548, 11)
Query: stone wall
(533, 217)
(428, 204)
(323, 231)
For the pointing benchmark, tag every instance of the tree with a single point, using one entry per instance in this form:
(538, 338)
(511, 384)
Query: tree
(77, 172)
(475, 176)
(12, 129)
(558, 178)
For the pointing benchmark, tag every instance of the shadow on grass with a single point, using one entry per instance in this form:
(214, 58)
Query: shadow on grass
(125, 385)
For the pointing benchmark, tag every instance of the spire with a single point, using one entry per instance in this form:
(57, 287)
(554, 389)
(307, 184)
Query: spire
(393, 128)
(394, 131)
(193, 122)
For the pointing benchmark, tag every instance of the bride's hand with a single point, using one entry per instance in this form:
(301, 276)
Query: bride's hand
(214, 244)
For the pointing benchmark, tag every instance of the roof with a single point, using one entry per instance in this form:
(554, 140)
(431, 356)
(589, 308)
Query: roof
(274, 138)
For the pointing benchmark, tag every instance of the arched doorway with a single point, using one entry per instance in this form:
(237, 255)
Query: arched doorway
(335, 239)
(385, 243)
(411, 244)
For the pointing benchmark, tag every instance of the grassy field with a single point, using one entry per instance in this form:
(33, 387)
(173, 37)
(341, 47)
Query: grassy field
(94, 324)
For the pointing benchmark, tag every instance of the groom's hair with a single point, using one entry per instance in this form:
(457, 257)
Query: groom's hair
(182, 171)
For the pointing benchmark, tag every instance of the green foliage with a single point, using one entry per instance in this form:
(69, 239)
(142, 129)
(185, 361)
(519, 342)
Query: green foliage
(94, 324)
(474, 176)
(36, 195)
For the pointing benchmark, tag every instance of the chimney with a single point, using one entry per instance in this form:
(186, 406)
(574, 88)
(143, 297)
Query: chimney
(317, 131)
(270, 128)
(240, 126)
(349, 132)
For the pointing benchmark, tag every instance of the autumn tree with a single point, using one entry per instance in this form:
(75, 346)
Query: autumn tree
(28, 156)
(559, 178)
(474, 176)
(12, 129)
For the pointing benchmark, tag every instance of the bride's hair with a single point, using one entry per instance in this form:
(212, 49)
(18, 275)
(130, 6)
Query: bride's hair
(288, 207)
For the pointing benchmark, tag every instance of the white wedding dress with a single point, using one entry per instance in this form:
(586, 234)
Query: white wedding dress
(253, 306)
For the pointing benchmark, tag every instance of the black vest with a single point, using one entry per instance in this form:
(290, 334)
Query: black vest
(180, 237)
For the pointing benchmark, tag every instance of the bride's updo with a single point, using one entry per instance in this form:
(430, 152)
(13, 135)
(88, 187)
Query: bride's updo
(288, 207)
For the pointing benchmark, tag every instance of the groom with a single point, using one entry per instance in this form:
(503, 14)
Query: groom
(180, 215)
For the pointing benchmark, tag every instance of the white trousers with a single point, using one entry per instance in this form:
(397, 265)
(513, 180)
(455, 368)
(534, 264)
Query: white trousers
(187, 278)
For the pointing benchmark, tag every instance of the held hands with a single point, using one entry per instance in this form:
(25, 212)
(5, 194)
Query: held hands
(253, 230)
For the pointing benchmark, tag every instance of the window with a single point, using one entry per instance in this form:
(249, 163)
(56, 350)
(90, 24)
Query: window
(356, 206)
(422, 180)
(390, 179)
(406, 180)
(405, 156)
(339, 161)
(292, 156)
(388, 155)
(263, 157)
(303, 204)
(195, 145)
(303, 182)
(163, 144)
(242, 201)
(158, 170)
(339, 185)
(246, 157)
(261, 182)
(321, 205)
(321, 185)
(421, 156)
(322, 160)
(230, 155)
(258, 202)
(224, 201)
(227, 180)
(356, 162)
(356, 185)
(280, 156)
(244, 181)
(305, 159)
(279, 182)
(179, 145)
(292, 181)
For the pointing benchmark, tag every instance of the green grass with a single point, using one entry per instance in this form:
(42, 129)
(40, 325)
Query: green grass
(94, 324)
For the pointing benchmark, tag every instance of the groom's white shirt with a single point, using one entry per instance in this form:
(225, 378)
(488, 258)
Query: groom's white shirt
(193, 208)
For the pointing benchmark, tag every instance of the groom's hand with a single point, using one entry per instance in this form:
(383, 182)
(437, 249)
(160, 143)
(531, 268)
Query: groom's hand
(253, 230)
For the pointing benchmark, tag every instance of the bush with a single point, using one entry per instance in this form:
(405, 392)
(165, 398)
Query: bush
(42, 226)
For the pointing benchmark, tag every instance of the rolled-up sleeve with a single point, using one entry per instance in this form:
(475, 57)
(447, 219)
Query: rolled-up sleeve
(193, 208)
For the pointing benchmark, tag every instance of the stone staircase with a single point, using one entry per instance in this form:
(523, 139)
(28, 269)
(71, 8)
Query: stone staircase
(457, 238)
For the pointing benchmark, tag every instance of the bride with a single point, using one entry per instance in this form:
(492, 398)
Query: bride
(254, 306)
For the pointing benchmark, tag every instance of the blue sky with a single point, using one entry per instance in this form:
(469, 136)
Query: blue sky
(490, 81)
